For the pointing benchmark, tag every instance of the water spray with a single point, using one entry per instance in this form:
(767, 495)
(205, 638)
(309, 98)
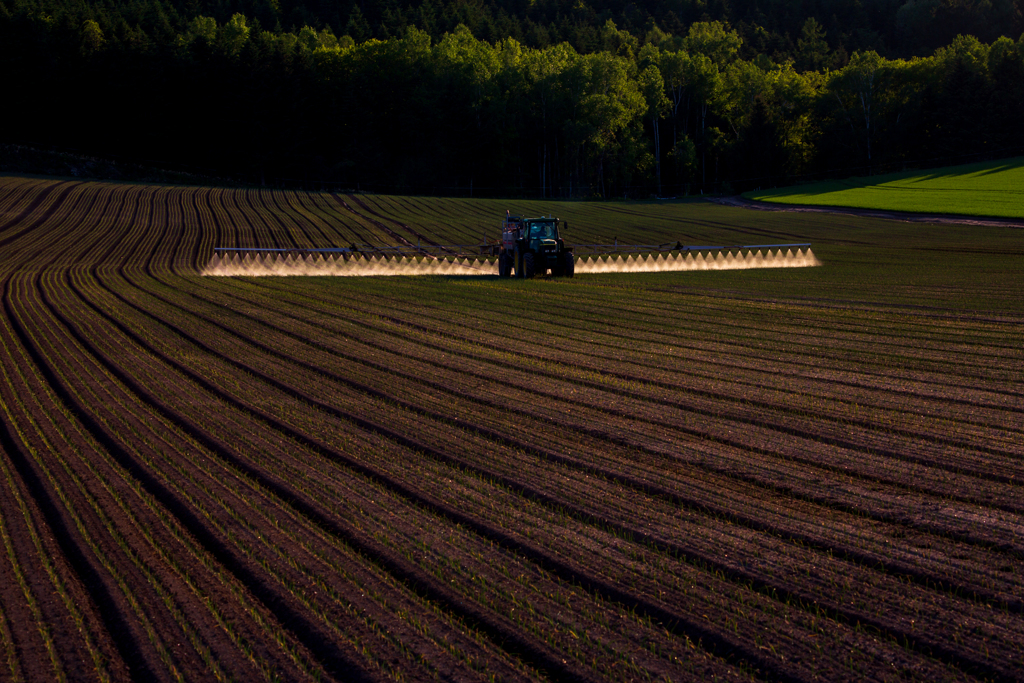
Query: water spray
(231, 262)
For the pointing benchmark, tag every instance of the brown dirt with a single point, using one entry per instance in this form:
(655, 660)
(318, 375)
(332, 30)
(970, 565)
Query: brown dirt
(392, 479)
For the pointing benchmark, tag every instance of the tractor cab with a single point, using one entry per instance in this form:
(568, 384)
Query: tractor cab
(542, 235)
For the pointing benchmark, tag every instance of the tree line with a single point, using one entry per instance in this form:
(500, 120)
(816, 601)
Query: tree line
(662, 114)
(775, 28)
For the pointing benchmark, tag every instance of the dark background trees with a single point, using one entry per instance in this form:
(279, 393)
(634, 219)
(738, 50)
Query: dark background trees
(542, 98)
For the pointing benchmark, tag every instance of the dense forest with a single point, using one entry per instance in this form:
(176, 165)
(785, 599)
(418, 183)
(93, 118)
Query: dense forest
(529, 97)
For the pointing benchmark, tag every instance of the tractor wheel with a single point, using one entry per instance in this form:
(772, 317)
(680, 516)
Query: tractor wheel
(568, 264)
(504, 265)
(528, 269)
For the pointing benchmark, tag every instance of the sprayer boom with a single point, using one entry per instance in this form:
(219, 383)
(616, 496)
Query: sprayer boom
(616, 248)
(472, 250)
(528, 247)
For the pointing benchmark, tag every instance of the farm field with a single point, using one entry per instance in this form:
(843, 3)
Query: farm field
(781, 474)
(992, 188)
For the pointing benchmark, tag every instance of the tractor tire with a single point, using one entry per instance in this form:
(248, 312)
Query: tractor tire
(528, 268)
(568, 264)
(504, 265)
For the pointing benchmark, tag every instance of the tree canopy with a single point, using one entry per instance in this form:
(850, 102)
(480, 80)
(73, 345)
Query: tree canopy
(675, 108)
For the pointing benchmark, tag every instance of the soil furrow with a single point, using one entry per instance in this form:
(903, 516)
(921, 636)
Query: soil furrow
(31, 209)
(787, 474)
(671, 405)
(298, 624)
(501, 635)
(714, 643)
(102, 594)
(674, 550)
(609, 431)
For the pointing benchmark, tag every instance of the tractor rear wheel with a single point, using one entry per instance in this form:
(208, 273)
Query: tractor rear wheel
(568, 264)
(504, 265)
(528, 267)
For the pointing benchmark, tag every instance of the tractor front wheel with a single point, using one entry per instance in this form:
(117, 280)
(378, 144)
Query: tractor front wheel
(528, 265)
(568, 264)
(504, 264)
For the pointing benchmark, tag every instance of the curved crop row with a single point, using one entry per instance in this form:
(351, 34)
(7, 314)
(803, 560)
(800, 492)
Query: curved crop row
(470, 419)
(683, 476)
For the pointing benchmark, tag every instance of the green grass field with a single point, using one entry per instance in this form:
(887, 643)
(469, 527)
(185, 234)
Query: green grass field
(993, 188)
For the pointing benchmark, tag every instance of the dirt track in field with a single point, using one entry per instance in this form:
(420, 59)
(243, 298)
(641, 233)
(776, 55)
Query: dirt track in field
(391, 478)
(906, 216)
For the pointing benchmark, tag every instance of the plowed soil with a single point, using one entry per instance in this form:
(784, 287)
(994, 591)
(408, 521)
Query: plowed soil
(796, 474)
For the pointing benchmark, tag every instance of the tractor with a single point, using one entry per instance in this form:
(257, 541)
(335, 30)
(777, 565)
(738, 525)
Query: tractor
(532, 246)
